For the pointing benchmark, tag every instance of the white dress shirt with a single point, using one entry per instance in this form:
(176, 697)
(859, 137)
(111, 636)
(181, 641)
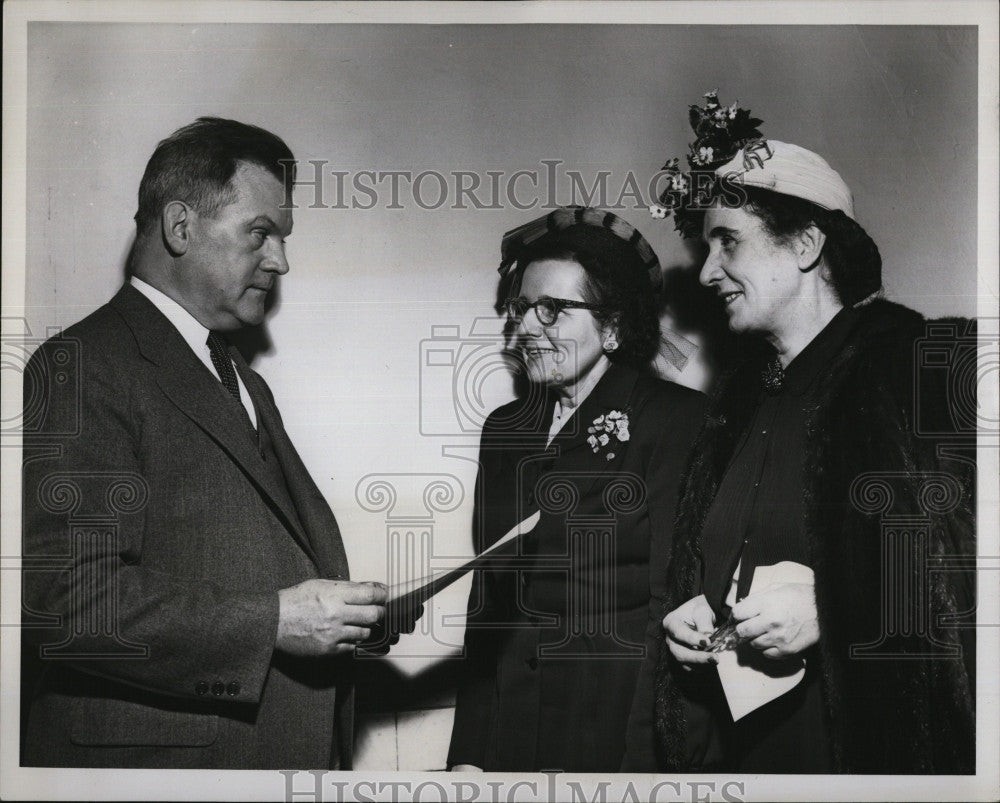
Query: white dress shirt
(194, 334)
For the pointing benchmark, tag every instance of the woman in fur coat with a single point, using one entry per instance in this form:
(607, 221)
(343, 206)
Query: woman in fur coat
(818, 615)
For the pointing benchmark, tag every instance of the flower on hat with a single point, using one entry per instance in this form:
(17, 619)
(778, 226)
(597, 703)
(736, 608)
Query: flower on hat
(704, 156)
(720, 131)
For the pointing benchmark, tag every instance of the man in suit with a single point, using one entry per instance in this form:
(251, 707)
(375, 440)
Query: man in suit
(186, 592)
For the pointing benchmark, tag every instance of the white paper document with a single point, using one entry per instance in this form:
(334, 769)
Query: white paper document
(415, 592)
(749, 679)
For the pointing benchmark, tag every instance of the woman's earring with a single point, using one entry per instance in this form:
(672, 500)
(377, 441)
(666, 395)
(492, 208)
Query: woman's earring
(610, 343)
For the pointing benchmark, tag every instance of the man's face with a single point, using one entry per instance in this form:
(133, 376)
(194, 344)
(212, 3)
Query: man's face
(235, 257)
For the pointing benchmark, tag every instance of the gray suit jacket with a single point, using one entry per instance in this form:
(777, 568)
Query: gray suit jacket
(158, 528)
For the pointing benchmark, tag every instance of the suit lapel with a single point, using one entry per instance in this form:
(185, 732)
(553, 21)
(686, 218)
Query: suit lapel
(320, 527)
(192, 388)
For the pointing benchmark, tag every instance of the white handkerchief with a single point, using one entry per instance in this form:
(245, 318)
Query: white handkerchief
(750, 680)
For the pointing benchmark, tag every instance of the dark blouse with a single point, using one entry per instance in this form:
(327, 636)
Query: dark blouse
(758, 515)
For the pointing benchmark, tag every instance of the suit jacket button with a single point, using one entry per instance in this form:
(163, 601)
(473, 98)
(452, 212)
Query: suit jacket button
(201, 687)
(233, 689)
(218, 688)
(532, 663)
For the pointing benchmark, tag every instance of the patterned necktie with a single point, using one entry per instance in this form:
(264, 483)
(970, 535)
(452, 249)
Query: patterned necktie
(223, 364)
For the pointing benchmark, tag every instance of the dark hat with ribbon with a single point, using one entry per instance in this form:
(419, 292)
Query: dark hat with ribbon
(601, 233)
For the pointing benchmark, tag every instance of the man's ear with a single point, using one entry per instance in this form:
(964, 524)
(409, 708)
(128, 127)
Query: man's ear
(176, 226)
(808, 245)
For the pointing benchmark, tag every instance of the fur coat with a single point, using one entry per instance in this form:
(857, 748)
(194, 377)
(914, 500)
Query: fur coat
(886, 469)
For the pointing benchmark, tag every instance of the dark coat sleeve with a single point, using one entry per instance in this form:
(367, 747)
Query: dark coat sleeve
(901, 696)
(684, 419)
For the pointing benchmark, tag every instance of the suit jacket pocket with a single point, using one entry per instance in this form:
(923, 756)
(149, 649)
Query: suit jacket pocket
(109, 722)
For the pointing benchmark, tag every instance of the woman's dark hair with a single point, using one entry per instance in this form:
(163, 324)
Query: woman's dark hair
(851, 255)
(615, 279)
(196, 164)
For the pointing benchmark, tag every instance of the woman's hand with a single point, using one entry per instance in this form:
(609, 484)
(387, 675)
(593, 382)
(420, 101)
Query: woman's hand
(779, 622)
(688, 628)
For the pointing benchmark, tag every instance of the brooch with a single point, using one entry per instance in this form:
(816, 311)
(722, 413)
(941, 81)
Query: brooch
(773, 377)
(607, 431)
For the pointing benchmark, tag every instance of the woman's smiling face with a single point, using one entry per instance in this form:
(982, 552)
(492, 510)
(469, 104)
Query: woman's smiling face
(756, 276)
(561, 355)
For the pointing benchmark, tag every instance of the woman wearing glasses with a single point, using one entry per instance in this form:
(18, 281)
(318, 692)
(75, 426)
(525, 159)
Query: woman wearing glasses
(562, 634)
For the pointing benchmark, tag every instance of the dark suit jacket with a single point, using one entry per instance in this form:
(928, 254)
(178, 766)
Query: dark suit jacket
(158, 528)
(557, 635)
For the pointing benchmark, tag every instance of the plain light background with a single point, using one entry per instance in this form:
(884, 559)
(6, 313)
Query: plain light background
(893, 109)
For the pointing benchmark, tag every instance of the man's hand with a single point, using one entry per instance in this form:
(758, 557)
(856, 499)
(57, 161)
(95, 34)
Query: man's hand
(779, 622)
(399, 619)
(688, 628)
(328, 617)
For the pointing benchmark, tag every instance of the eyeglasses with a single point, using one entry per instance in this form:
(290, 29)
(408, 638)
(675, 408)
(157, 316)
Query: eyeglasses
(546, 308)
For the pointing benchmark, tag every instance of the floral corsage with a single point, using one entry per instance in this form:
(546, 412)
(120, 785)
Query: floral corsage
(607, 431)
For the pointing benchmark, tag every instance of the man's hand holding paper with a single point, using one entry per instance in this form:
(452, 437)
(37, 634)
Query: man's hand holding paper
(404, 602)
(326, 617)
